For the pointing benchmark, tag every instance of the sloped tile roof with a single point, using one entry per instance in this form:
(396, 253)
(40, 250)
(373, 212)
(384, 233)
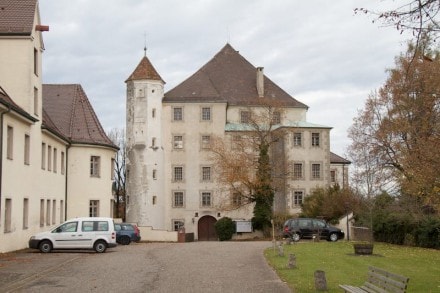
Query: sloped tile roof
(70, 110)
(17, 16)
(334, 158)
(6, 101)
(145, 70)
(229, 77)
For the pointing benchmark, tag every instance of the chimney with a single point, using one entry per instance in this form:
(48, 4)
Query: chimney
(42, 28)
(260, 82)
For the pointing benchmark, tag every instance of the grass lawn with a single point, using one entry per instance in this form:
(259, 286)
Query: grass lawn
(341, 266)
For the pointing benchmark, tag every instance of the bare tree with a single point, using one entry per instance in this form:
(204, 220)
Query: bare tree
(397, 134)
(118, 138)
(242, 162)
(418, 16)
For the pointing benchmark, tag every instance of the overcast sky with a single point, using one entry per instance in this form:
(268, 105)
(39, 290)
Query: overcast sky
(318, 51)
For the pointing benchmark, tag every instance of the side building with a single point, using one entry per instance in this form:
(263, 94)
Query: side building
(170, 171)
(56, 161)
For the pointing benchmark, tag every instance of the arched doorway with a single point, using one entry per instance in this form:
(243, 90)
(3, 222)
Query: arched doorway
(206, 229)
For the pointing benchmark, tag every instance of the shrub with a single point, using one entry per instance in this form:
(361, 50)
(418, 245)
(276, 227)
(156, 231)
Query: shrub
(225, 227)
(428, 233)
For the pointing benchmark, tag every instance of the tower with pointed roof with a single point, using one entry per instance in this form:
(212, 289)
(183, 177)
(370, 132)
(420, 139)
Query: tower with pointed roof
(144, 183)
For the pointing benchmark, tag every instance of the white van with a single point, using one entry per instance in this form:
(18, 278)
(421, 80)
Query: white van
(79, 233)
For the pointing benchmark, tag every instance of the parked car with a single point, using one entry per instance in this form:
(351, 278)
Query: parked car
(126, 232)
(298, 228)
(79, 233)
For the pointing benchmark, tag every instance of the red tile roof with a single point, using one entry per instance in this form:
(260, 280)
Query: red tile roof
(145, 70)
(229, 77)
(69, 109)
(17, 16)
(335, 159)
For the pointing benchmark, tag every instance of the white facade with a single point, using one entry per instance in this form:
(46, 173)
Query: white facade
(45, 177)
(173, 143)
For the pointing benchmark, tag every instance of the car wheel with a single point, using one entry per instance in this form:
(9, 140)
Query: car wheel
(100, 246)
(45, 246)
(296, 237)
(333, 237)
(125, 240)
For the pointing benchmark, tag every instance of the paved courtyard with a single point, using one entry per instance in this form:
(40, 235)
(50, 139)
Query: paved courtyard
(144, 267)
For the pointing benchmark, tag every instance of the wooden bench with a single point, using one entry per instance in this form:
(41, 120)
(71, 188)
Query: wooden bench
(381, 281)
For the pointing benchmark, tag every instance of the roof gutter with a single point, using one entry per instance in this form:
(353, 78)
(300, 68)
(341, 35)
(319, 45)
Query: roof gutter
(1, 152)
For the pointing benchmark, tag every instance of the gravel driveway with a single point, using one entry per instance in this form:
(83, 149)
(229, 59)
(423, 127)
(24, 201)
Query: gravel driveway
(145, 267)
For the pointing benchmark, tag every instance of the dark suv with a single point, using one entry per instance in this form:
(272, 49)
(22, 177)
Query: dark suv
(126, 232)
(296, 229)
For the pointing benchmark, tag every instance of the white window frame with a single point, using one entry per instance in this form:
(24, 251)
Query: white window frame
(95, 166)
(316, 139)
(176, 176)
(206, 199)
(177, 114)
(178, 142)
(206, 114)
(206, 174)
(315, 174)
(94, 208)
(178, 202)
(297, 198)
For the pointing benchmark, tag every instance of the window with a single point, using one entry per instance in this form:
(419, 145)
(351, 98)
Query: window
(94, 166)
(43, 156)
(236, 142)
(154, 174)
(333, 176)
(61, 211)
(206, 173)
(237, 199)
(177, 114)
(49, 158)
(48, 212)
(206, 199)
(35, 101)
(36, 61)
(69, 227)
(245, 116)
(154, 200)
(178, 199)
(55, 160)
(10, 141)
(153, 143)
(41, 212)
(276, 117)
(178, 141)
(297, 139)
(91, 226)
(112, 169)
(297, 171)
(8, 215)
(177, 224)
(178, 173)
(54, 211)
(153, 112)
(297, 197)
(25, 213)
(316, 171)
(94, 208)
(206, 114)
(206, 141)
(63, 166)
(27, 149)
(315, 139)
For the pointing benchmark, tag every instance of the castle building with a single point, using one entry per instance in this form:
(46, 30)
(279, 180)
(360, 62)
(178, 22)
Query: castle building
(170, 173)
(56, 162)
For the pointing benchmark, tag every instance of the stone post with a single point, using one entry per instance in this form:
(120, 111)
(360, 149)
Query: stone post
(320, 281)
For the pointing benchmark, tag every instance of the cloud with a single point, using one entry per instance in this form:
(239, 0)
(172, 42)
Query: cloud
(318, 51)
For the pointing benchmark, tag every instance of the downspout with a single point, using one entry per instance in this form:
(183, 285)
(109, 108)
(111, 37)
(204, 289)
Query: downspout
(65, 185)
(1, 153)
